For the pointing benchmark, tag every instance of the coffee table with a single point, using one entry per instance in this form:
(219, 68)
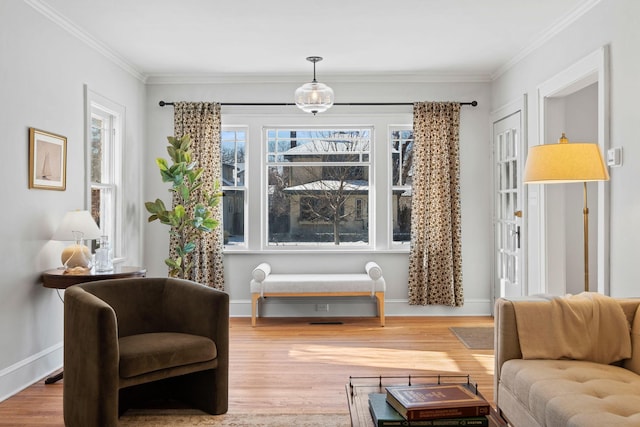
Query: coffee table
(359, 388)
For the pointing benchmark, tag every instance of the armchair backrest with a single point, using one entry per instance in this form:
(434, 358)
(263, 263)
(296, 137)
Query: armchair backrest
(137, 303)
(145, 305)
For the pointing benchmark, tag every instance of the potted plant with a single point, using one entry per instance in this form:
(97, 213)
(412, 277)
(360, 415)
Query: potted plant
(191, 215)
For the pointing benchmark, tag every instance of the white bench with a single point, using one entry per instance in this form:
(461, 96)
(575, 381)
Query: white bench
(370, 283)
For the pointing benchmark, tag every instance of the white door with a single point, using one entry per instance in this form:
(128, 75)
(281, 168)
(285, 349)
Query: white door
(508, 232)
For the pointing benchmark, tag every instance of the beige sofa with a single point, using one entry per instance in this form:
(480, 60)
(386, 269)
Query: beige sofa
(560, 390)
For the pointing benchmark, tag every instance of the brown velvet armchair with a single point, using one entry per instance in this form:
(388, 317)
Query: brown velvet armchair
(136, 339)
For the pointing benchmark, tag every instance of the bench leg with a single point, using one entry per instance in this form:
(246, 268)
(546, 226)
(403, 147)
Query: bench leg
(380, 298)
(254, 306)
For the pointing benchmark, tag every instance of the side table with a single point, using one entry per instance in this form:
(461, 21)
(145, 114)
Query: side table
(59, 279)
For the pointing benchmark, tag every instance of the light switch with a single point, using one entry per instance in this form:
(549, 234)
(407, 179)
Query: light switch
(614, 156)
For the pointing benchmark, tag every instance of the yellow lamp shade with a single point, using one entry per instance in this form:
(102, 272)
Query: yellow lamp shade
(564, 162)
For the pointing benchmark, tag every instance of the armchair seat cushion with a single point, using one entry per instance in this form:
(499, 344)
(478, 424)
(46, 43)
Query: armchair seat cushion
(143, 353)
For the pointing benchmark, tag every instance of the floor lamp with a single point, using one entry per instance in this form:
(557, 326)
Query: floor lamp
(567, 162)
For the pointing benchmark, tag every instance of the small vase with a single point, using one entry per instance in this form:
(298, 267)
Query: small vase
(104, 258)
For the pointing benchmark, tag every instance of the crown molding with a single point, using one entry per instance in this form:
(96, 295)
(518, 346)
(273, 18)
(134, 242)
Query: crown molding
(185, 79)
(547, 35)
(85, 37)
(392, 77)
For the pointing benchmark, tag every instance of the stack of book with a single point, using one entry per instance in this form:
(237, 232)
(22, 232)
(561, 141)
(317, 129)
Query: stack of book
(429, 405)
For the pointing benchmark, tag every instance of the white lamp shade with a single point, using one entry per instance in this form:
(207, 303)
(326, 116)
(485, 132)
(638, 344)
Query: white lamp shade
(564, 162)
(75, 222)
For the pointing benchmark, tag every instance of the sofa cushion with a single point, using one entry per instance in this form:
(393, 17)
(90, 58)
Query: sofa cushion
(573, 393)
(144, 353)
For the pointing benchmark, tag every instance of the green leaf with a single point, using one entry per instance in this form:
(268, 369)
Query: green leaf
(173, 263)
(210, 223)
(189, 247)
(179, 211)
(162, 164)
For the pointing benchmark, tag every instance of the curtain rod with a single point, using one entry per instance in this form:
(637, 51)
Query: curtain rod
(265, 104)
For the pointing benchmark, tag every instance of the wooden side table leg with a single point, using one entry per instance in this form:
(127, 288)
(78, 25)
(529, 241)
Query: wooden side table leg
(54, 378)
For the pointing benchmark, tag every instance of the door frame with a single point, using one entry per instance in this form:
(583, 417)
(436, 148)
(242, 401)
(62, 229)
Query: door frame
(593, 68)
(511, 108)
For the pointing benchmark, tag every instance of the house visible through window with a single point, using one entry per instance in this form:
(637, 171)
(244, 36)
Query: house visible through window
(317, 186)
(401, 139)
(233, 154)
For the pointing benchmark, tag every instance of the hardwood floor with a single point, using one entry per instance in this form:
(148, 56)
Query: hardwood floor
(291, 366)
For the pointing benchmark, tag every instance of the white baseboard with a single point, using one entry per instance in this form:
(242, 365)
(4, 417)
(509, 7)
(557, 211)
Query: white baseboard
(24, 373)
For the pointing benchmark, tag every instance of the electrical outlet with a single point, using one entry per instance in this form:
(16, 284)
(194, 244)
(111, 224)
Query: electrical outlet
(322, 307)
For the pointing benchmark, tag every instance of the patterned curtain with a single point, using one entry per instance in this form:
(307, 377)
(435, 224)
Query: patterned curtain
(435, 258)
(201, 120)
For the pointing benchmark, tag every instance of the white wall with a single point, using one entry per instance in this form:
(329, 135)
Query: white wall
(42, 76)
(610, 22)
(475, 187)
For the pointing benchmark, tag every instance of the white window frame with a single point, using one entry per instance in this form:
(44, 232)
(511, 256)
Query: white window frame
(243, 188)
(115, 114)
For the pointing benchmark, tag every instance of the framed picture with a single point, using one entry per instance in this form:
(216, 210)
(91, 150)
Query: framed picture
(47, 160)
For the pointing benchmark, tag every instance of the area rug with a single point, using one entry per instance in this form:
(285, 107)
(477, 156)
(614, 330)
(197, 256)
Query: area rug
(184, 418)
(475, 338)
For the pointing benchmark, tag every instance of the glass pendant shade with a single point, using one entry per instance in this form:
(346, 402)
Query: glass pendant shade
(314, 97)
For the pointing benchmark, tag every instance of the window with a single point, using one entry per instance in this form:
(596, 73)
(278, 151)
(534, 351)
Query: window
(105, 122)
(234, 141)
(401, 139)
(317, 185)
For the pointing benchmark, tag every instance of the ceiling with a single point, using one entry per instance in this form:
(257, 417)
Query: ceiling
(356, 37)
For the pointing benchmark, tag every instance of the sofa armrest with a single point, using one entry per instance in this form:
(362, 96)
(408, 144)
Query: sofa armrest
(506, 342)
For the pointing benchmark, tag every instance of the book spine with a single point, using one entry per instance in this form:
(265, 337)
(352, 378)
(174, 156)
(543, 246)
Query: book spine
(430, 414)
(476, 422)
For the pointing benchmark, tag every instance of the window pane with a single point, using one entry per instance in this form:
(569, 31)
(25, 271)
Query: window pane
(233, 143)
(233, 217)
(401, 181)
(96, 149)
(102, 205)
(318, 188)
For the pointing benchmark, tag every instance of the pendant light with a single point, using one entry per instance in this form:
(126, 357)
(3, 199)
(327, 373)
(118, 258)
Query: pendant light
(314, 97)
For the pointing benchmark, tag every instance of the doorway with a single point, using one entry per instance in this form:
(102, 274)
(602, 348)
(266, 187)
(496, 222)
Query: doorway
(574, 102)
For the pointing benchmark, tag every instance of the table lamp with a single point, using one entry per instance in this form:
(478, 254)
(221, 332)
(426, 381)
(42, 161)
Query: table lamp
(77, 226)
(566, 162)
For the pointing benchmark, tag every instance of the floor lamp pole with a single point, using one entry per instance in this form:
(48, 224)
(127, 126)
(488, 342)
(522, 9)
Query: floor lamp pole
(585, 214)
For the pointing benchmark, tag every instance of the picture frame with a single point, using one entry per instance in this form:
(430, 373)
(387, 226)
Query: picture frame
(47, 160)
